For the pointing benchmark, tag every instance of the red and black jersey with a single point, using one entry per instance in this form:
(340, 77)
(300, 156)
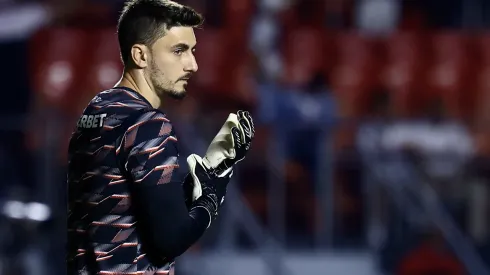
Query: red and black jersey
(126, 212)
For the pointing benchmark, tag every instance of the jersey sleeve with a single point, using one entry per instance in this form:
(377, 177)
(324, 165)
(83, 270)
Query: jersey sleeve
(149, 150)
(149, 155)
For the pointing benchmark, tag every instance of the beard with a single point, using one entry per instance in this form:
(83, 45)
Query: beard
(176, 94)
(163, 86)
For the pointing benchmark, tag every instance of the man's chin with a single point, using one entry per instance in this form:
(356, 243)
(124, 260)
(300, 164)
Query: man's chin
(178, 94)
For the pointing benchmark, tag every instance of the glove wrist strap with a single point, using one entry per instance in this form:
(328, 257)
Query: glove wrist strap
(207, 210)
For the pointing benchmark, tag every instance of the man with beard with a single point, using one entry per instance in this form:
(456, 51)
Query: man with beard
(128, 213)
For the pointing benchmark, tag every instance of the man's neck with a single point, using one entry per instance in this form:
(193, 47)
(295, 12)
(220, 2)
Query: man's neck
(139, 84)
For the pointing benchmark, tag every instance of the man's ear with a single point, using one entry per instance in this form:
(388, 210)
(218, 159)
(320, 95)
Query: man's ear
(139, 55)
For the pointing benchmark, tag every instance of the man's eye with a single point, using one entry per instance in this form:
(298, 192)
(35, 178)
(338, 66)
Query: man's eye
(178, 52)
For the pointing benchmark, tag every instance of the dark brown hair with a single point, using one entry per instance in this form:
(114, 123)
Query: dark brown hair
(146, 21)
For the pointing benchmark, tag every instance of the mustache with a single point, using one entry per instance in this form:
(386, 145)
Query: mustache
(185, 77)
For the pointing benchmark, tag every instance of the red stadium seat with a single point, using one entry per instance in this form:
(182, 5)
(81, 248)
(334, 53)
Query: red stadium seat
(302, 55)
(452, 75)
(57, 58)
(329, 52)
(355, 49)
(405, 48)
(238, 13)
(215, 67)
(482, 45)
(482, 110)
(57, 55)
(481, 137)
(483, 48)
(447, 46)
(103, 65)
(238, 90)
(356, 73)
(402, 75)
(482, 53)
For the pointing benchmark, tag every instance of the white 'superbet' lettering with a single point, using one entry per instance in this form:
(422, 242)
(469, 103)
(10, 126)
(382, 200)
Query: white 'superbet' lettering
(91, 121)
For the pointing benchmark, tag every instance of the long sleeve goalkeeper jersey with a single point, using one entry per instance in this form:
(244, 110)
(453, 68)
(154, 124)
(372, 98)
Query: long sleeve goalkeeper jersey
(126, 209)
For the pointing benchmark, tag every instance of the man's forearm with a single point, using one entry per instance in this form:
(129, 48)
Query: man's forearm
(166, 226)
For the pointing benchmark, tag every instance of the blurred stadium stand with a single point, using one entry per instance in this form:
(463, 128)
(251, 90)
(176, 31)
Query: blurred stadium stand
(372, 151)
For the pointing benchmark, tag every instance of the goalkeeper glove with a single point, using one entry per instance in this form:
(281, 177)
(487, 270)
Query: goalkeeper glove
(231, 144)
(202, 186)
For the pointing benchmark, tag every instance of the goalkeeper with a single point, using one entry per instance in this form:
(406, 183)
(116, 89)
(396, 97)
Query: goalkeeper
(128, 213)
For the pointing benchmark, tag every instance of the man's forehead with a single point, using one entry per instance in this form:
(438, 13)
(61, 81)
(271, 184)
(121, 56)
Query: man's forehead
(178, 35)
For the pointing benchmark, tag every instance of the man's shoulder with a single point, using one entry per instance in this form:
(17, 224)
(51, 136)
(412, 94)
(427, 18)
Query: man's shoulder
(120, 104)
(110, 108)
(120, 99)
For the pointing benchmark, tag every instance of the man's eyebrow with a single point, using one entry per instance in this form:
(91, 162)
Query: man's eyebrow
(183, 46)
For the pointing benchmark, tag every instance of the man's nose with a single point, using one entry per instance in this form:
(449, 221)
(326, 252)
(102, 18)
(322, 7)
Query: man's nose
(191, 65)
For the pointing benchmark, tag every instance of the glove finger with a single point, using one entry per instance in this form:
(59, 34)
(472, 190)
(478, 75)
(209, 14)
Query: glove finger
(242, 116)
(237, 137)
(247, 132)
(248, 118)
(251, 122)
(247, 125)
(241, 143)
(243, 124)
(196, 189)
